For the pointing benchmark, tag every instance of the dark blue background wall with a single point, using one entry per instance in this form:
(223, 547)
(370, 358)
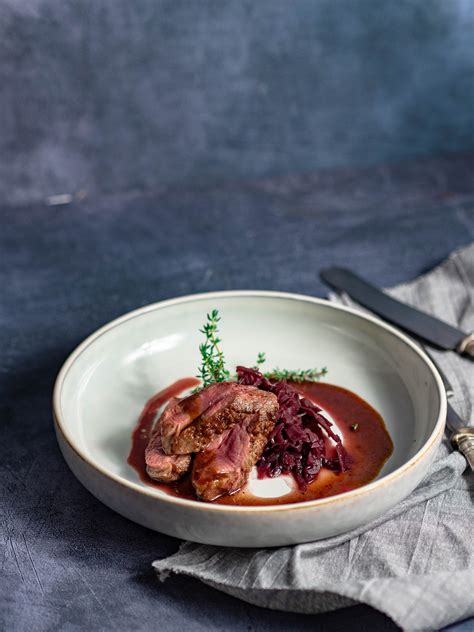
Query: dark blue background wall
(113, 96)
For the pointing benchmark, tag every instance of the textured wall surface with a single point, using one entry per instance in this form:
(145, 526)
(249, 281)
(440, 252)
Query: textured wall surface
(111, 95)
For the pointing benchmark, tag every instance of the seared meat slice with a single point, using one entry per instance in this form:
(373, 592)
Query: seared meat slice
(238, 403)
(218, 469)
(175, 419)
(164, 467)
(161, 466)
(224, 465)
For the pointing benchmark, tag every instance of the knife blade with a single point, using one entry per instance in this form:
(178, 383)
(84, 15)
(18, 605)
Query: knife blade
(426, 327)
(412, 320)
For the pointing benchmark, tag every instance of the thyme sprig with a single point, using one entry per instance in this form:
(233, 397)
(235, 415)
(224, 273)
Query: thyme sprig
(261, 359)
(212, 368)
(300, 375)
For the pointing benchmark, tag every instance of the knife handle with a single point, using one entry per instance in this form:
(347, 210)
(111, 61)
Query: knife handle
(466, 345)
(463, 440)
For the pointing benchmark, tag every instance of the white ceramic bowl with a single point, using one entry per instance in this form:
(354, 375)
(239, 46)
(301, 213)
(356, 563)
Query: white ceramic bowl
(104, 384)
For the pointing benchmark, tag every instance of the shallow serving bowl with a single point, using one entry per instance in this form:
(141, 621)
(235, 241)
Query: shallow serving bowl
(101, 389)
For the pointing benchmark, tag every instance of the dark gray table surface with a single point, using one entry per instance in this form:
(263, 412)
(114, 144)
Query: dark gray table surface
(68, 561)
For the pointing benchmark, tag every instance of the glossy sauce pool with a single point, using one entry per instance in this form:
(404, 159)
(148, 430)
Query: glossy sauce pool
(368, 446)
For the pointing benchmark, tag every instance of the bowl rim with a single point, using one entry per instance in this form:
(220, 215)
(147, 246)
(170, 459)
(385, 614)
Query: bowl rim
(425, 449)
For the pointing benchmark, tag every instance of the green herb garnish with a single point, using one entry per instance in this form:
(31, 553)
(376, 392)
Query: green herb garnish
(213, 364)
(261, 358)
(213, 369)
(300, 375)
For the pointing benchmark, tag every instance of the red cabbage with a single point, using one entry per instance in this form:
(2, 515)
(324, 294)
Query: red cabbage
(298, 444)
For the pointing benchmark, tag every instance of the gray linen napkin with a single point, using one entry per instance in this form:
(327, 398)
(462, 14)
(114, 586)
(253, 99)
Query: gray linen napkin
(416, 563)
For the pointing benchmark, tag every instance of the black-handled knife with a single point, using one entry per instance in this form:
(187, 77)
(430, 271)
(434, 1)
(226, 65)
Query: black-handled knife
(422, 325)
